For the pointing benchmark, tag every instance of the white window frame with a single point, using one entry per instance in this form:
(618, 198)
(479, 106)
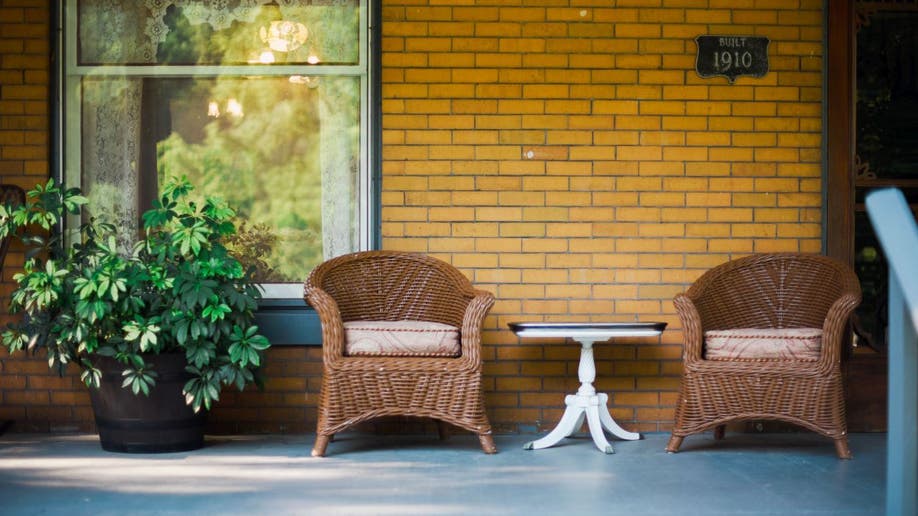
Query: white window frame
(70, 159)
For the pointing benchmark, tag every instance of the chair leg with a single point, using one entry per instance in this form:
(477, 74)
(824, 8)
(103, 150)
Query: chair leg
(487, 443)
(719, 432)
(674, 443)
(442, 430)
(318, 449)
(841, 448)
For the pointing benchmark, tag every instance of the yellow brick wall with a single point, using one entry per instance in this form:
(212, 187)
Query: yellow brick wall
(566, 156)
(562, 153)
(27, 387)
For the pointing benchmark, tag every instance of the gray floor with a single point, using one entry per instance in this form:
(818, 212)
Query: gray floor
(260, 475)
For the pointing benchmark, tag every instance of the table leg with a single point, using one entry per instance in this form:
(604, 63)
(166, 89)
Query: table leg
(610, 425)
(566, 427)
(578, 424)
(586, 370)
(589, 404)
(599, 438)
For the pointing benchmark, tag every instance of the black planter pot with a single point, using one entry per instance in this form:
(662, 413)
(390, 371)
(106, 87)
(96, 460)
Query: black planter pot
(158, 423)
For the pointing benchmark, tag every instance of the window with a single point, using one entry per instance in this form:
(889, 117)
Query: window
(263, 102)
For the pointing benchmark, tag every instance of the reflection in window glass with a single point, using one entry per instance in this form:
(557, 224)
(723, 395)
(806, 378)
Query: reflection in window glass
(266, 145)
(230, 32)
(283, 146)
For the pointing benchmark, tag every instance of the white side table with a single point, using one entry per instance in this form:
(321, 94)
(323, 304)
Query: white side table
(587, 402)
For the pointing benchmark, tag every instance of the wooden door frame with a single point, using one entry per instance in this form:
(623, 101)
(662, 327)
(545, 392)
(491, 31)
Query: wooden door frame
(838, 214)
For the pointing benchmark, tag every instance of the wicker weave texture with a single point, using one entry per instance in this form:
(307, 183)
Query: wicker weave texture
(774, 290)
(398, 286)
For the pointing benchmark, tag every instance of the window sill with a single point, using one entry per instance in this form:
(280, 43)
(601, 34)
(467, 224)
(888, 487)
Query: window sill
(288, 322)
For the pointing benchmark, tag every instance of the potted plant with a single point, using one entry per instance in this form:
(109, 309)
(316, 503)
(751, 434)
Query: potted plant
(169, 320)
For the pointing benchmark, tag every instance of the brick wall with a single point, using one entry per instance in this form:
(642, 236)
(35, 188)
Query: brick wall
(567, 157)
(24, 72)
(564, 155)
(27, 388)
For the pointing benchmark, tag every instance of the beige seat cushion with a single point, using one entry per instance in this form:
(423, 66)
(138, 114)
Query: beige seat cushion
(401, 339)
(763, 344)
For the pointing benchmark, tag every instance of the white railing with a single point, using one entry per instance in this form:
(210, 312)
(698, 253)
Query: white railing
(895, 228)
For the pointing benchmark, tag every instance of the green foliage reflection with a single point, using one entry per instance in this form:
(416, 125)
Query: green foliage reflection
(265, 162)
(260, 147)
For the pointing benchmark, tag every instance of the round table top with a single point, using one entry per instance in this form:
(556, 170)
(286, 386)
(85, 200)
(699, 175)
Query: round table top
(575, 330)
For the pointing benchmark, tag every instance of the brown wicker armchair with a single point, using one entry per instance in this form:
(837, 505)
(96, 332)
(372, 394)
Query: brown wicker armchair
(398, 286)
(775, 291)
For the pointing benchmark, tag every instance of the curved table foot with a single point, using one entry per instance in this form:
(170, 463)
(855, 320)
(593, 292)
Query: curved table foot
(593, 409)
(599, 438)
(566, 427)
(610, 425)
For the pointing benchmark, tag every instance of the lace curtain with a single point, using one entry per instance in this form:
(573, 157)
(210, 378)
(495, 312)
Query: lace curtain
(111, 118)
(148, 19)
(340, 203)
(115, 32)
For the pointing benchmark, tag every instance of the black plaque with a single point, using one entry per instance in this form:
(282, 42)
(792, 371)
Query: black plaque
(731, 56)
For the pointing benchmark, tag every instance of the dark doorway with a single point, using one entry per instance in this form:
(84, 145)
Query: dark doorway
(872, 141)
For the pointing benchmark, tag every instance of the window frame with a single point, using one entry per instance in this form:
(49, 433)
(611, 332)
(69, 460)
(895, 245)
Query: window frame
(283, 315)
(70, 117)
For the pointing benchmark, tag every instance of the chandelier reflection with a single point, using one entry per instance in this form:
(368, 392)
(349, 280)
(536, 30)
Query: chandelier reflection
(233, 108)
(310, 82)
(283, 35)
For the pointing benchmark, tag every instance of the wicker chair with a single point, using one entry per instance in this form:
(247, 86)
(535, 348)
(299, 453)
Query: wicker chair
(766, 291)
(398, 286)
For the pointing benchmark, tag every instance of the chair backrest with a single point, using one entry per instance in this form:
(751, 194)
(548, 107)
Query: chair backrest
(10, 195)
(394, 286)
(773, 290)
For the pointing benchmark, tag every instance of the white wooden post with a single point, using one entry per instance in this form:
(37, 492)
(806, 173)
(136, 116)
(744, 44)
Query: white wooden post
(902, 450)
(894, 225)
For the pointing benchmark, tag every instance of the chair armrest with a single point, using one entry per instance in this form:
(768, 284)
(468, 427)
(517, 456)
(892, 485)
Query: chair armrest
(472, 321)
(332, 324)
(692, 332)
(834, 327)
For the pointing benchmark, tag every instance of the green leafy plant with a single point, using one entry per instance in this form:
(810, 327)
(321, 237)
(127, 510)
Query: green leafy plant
(250, 245)
(178, 290)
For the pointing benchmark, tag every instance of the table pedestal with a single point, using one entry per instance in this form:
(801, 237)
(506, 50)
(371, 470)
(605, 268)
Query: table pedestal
(589, 404)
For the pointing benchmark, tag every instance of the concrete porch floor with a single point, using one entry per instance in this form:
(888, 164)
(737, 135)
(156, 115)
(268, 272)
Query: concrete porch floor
(744, 474)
